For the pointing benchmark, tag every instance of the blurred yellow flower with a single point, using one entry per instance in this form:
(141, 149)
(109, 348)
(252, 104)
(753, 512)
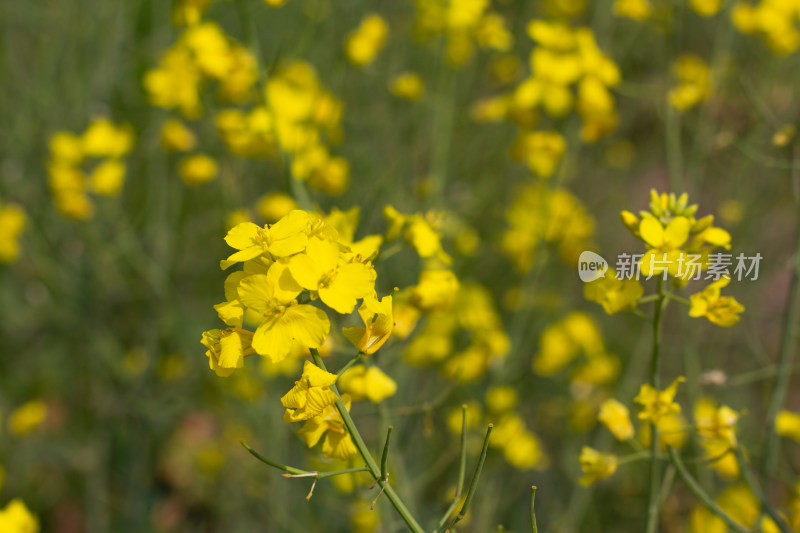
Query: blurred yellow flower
(177, 137)
(658, 404)
(616, 417)
(435, 290)
(371, 383)
(367, 40)
(16, 518)
(787, 424)
(633, 9)
(720, 310)
(12, 223)
(27, 417)
(197, 169)
(706, 8)
(614, 294)
(596, 465)
(501, 399)
(694, 82)
(407, 85)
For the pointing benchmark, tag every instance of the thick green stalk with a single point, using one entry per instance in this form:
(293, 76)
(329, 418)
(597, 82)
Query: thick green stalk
(534, 528)
(655, 365)
(361, 446)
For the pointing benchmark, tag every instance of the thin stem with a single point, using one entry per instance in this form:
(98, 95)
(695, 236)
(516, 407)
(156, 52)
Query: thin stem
(462, 468)
(462, 463)
(674, 150)
(655, 364)
(474, 484)
(285, 468)
(534, 529)
(385, 456)
(361, 446)
(677, 298)
(698, 491)
(349, 364)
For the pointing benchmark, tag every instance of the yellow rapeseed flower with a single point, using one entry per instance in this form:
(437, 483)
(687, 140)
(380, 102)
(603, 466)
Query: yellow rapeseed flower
(16, 518)
(27, 417)
(720, 310)
(378, 324)
(371, 383)
(12, 224)
(596, 465)
(616, 417)
(657, 404)
(197, 169)
(367, 40)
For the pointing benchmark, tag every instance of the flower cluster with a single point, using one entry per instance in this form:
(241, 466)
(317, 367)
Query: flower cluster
(568, 71)
(679, 246)
(777, 21)
(656, 407)
(88, 163)
(564, 341)
(298, 118)
(470, 315)
(542, 215)
(287, 265)
(465, 24)
(694, 82)
(202, 54)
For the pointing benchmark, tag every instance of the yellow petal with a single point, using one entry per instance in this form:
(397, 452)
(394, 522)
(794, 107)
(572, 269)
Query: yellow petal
(256, 292)
(338, 446)
(305, 271)
(273, 339)
(306, 324)
(316, 377)
(243, 236)
(324, 253)
(284, 286)
(242, 255)
(677, 232)
(231, 354)
(312, 431)
(352, 281)
(652, 231)
(318, 399)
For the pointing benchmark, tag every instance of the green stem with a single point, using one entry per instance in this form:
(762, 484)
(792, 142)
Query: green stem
(655, 364)
(350, 363)
(462, 469)
(674, 150)
(755, 488)
(698, 491)
(474, 484)
(285, 468)
(534, 528)
(361, 446)
(385, 456)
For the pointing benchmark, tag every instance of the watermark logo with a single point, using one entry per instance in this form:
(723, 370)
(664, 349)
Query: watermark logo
(712, 267)
(591, 266)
